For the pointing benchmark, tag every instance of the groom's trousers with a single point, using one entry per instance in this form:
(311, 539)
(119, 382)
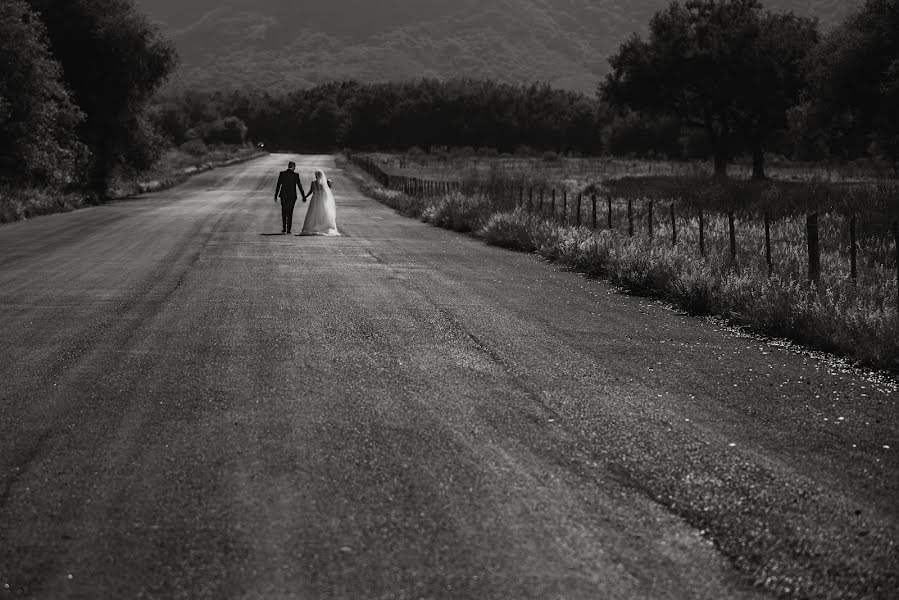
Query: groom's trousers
(287, 213)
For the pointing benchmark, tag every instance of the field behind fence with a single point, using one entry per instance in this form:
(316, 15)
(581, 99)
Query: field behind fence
(840, 240)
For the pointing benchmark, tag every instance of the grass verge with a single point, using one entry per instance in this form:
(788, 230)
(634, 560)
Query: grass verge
(175, 167)
(856, 320)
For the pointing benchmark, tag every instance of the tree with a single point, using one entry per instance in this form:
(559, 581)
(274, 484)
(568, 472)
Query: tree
(172, 120)
(852, 101)
(113, 60)
(726, 66)
(38, 119)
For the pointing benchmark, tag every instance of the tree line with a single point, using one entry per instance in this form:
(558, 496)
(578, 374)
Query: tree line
(425, 114)
(749, 76)
(713, 78)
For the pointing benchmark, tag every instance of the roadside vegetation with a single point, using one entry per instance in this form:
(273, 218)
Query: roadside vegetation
(174, 167)
(854, 317)
(79, 119)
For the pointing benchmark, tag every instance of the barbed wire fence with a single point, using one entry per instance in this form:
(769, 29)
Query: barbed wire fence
(861, 245)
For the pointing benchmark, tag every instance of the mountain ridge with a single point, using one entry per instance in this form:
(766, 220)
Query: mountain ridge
(274, 45)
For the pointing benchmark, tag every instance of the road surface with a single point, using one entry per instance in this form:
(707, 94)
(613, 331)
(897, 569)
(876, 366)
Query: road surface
(195, 406)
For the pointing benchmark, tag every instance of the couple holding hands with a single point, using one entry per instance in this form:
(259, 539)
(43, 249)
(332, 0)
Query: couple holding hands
(321, 217)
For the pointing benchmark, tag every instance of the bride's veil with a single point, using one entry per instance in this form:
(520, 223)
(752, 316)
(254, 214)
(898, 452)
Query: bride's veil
(322, 181)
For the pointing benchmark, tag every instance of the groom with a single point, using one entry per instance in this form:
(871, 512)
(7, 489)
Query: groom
(288, 182)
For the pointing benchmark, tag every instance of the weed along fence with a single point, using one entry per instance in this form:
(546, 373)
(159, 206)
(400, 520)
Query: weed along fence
(817, 232)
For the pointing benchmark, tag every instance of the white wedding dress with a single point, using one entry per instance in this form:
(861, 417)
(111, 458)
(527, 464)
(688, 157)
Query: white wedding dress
(321, 216)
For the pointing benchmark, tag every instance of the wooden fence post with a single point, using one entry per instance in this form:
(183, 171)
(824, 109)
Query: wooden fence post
(579, 197)
(701, 233)
(565, 206)
(673, 226)
(814, 250)
(896, 243)
(542, 189)
(530, 198)
(552, 207)
(733, 236)
(853, 250)
(649, 219)
(593, 201)
(630, 217)
(768, 243)
(610, 210)
(521, 196)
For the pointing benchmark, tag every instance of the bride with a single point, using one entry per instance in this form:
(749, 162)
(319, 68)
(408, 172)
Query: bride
(321, 217)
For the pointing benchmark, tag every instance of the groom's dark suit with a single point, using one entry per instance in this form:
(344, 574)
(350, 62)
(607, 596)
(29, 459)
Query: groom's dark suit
(288, 182)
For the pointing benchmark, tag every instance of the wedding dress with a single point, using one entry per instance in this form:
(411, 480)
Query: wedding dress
(321, 216)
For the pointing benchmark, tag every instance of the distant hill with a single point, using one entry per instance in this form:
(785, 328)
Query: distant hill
(282, 44)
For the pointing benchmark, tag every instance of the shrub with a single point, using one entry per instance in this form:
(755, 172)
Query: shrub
(194, 147)
(551, 157)
(457, 211)
(857, 320)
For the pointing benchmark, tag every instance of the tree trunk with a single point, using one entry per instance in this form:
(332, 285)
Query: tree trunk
(894, 157)
(721, 162)
(720, 142)
(99, 176)
(758, 160)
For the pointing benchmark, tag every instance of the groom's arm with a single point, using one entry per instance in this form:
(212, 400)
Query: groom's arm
(278, 187)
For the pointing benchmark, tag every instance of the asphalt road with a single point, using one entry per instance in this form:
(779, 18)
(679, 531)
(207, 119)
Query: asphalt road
(195, 406)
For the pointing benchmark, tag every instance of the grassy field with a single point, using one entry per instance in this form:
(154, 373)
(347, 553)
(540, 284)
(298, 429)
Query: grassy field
(175, 166)
(854, 317)
(577, 173)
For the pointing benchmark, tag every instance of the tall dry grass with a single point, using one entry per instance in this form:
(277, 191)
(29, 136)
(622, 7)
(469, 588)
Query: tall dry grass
(18, 203)
(857, 319)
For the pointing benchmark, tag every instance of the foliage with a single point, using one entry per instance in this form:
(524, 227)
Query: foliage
(38, 119)
(855, 318)
(630, 134)
(19, 201)
(229, 130)
(423, 114)
(113, 60)
(728, 67)
(853, 96)
(194, 147)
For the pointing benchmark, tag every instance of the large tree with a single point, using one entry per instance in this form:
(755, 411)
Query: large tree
(38, 119)
(853, 96)
(726, 66)
(113, 60)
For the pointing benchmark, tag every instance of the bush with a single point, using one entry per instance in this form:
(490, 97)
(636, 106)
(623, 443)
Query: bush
(457, 211)
(523, 150)
(551, 157)
(17, 203)
(194, 147)
(415, 153)
(853, 320)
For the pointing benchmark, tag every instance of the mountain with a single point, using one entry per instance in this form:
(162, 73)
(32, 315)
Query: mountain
(284, 44)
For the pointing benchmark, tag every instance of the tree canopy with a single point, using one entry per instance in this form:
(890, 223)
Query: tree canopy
(425, 113)
(852, 100)
(728, 67)
(113, 61)
(38, 119)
